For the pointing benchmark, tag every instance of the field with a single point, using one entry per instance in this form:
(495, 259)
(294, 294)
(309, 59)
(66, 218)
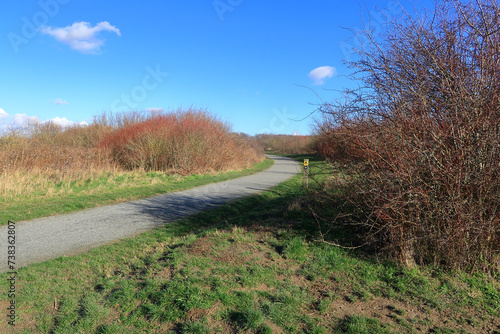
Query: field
(257, 265)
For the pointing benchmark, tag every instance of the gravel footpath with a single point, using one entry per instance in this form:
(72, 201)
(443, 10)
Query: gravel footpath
(64, 235)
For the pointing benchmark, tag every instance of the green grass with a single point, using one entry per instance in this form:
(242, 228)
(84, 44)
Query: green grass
(106, 188)
(252, 266)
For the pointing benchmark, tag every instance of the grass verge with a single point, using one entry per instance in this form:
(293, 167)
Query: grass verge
(251, 266)
(47, 196)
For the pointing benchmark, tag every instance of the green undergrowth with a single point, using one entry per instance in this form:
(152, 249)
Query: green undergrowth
(252, 266)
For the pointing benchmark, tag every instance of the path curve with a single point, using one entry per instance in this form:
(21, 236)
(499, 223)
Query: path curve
(47, 238)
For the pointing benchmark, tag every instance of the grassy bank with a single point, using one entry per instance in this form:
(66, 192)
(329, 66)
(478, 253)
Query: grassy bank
(252, 266)
(36, 195)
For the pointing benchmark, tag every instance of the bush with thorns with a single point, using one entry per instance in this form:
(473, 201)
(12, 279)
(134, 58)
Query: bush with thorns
(425, 126)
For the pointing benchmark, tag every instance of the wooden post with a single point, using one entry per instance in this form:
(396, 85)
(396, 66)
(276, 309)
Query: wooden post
(306, 174)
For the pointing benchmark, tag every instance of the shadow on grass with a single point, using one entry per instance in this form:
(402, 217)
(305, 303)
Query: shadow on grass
(287, 207)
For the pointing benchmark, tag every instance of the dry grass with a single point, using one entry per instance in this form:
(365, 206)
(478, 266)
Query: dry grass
(40, 162)
(17, 185)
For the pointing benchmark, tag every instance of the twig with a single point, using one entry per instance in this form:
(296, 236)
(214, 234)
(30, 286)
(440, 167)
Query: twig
(322, 240)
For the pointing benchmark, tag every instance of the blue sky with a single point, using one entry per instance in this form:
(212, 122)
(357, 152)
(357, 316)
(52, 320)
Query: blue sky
(68, 60)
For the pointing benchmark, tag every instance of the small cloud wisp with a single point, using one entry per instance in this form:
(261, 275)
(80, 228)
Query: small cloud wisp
(320, 74)
(59, 102)
(81, 36)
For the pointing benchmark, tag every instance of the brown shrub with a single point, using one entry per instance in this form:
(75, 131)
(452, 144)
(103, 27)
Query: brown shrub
(287, 144)
(49, 147)
(333, 142)
(27, 155)
(426, 127)
(185, 142)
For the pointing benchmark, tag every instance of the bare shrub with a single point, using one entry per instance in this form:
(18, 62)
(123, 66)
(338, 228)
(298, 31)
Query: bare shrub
(425, 124)
(287, 144)
(124, 119)
(186, 142)
(254, 141)
(331, 141)
(191, 141)
(27, 155)
(47, 147)
(83, 135)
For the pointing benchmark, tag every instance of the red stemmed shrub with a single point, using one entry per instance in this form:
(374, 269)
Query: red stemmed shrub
(184, 142)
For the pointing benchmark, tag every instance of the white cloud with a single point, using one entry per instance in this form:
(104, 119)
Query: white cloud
(64, 122)
(3, 114)
(59, 102)
(320, 74)
(81, 36)
(22, 121)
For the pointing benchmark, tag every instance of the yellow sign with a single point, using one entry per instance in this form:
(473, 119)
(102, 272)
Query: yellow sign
(306, 162)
